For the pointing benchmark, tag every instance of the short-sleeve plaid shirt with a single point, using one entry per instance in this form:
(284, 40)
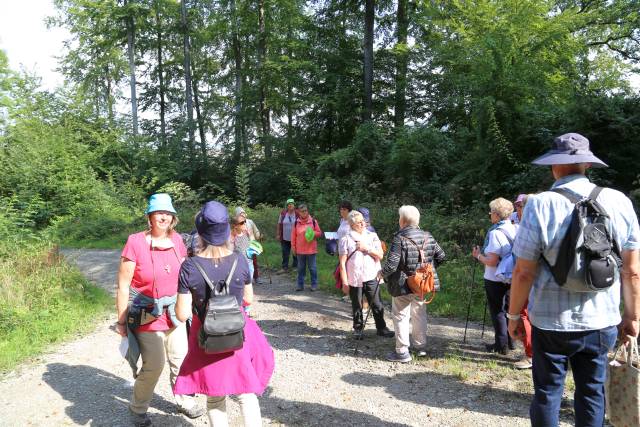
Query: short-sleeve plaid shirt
(545, 220)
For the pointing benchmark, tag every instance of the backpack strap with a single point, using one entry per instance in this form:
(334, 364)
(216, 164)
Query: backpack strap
(504, 233)
(208, 281)
(420, 248)
(573, 197)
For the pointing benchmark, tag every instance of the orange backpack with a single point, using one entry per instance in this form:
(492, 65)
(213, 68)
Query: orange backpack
(423, 281)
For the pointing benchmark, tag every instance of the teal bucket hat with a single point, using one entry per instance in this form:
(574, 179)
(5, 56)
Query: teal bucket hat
(160, 202)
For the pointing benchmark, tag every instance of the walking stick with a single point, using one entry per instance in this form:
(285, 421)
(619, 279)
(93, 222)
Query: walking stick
(484, 317)
(473, 281)
(375, 291)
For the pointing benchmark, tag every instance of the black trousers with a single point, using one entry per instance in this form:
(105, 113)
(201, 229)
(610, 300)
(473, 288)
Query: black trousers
(371, 291)
(498, 302)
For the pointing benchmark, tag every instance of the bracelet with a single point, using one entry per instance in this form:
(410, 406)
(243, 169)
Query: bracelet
(513, 316)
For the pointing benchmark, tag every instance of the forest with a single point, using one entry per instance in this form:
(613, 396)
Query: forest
(441, 104)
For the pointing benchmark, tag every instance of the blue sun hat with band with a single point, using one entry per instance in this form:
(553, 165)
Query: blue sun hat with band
(569, 149)
(160, 202)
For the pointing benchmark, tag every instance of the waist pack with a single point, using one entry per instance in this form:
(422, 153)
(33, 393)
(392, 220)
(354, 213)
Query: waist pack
(423, 281)
(504, 269)
(222, 328)
(588, 259)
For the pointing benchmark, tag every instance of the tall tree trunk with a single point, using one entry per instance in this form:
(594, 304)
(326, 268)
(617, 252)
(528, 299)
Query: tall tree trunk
(132, 71)
(161, 88)
(265, 122)
(107, 94)
(200, 119)
(402, 61)
(369, 18)
(237, 55)
(187, 80)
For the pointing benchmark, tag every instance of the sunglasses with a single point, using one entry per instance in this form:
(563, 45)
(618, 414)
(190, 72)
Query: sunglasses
(241, 223)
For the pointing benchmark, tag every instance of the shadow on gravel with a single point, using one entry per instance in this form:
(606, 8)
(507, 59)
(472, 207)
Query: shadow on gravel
(291, 412)
(99, 398)
(310, 306)
(446, 391)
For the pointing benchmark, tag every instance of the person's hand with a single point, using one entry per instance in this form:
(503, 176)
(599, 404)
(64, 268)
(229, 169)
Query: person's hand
(121, 329)
(293, 252)
(475, 252)
(516, 329)
(628, 328)
(362, 247)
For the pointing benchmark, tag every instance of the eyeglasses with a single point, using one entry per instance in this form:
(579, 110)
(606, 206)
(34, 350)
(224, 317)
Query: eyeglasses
(241, 223)
(304, 211)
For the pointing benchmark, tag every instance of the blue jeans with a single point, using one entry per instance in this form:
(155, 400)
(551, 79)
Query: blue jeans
(586, 351)
(286, 250)
(303, 261)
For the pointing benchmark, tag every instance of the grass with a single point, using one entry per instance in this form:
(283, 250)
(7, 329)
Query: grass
(43, 301)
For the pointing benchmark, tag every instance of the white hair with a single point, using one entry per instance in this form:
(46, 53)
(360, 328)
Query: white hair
(354, 216)
(410, 215)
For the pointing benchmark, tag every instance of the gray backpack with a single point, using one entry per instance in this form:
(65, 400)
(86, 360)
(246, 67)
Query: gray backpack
(588, 259)
(222, 328)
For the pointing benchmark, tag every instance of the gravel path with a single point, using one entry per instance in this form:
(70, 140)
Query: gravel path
(317, 382)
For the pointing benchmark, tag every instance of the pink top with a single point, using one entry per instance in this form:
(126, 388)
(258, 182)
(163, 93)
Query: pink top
(298, 243)
(361, 267)
(165, 263)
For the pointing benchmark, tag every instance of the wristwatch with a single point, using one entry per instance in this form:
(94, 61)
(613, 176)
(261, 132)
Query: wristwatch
(513, 316)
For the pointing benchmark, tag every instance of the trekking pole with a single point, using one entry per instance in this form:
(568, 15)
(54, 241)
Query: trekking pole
(484, 317)
(375, 291)
(473, 281)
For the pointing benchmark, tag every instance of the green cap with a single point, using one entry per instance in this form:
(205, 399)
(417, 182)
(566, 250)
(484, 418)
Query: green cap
(290, 201)
(309, 234)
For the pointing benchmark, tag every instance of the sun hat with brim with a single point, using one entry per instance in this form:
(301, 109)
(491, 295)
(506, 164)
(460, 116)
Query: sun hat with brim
(160, 202)
(309, 234)
(568, 149)
(212, 223)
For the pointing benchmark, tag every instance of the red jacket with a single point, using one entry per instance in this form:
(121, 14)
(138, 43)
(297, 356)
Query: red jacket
(298, 243)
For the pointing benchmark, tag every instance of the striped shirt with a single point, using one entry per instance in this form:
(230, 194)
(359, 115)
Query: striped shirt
(545, 220)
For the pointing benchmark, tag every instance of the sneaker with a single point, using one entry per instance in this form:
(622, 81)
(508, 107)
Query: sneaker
(386, 332)
(492, 348)
(524, 363)
(399, 357)
(139, 420)
(358, 334)
(419, 352)
(299, 289)
(259, 282)
(313, 289)
(192, 412)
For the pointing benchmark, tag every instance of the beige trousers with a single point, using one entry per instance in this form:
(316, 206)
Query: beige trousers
(409, 311)
(217, 410)
(156, 348)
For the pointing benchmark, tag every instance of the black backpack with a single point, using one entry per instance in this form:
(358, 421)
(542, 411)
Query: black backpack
(222, 328)
(588, 259)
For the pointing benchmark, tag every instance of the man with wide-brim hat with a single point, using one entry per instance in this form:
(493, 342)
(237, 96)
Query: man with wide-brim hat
(569, 327)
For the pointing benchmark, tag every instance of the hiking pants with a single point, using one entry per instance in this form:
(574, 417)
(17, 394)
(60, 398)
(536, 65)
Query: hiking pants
(303, 262)
(155, 348)
(286, 250)
(409, 310)
(498, 301)
(368, 288)
(249, 406)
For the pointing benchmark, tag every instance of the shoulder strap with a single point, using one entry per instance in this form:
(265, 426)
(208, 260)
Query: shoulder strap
(504, 233)
(420, 248)
(573, 197)
(208, 281)
(595, 193)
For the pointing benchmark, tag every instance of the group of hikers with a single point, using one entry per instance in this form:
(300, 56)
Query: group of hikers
(168, 293)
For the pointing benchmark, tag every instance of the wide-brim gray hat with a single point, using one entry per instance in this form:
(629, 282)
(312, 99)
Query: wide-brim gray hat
(568, 149)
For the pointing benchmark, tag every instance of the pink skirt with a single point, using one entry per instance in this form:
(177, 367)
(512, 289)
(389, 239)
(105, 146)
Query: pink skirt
(247, 370)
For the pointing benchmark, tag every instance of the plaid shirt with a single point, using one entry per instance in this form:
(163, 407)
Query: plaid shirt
(545, 220)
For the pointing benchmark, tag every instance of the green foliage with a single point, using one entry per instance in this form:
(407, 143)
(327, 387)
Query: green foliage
(242, 184)
(42, 301)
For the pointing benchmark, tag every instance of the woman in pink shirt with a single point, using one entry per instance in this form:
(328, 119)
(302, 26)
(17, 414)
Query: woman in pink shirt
(145, 303)
(305, 250)
(360, 254)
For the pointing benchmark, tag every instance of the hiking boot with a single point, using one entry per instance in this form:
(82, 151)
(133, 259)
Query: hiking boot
(299, 289)
(524, 363)
(385, 332)
(358, 334)
(399, 357)
(492, 348)
(139, 420)
(313, 289)
(192, 412)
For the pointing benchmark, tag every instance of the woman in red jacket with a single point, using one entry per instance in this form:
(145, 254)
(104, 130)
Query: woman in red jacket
(305, 247)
